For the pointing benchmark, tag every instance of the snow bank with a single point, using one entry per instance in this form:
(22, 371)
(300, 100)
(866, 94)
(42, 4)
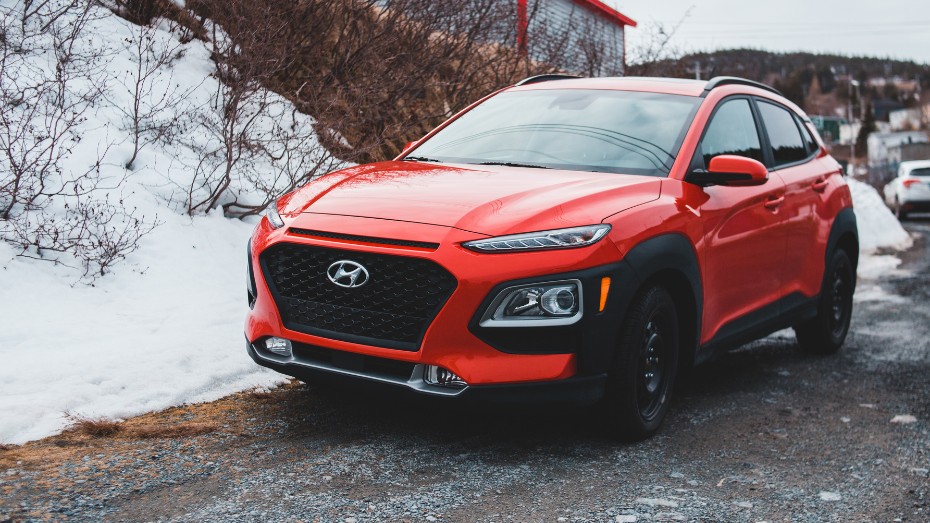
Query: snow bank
(167, 333)
(878, 227)
(165, 328)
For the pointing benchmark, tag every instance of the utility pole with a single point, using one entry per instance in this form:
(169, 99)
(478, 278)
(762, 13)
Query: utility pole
(849, 115)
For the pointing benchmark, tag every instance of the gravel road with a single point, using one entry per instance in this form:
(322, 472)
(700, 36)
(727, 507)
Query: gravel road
(762, 434)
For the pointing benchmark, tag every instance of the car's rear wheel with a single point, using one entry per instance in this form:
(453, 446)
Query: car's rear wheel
(899, 210)
(643, 374)
(826, 333)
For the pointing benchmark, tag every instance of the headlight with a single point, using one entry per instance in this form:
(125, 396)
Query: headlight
(556, 239)
(535, 304)
(272, 213)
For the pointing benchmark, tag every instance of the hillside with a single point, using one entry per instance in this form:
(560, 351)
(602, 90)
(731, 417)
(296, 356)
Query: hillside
(793, 73)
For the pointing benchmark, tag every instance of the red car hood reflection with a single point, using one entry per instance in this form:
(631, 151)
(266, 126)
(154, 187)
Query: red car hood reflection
(483, 199)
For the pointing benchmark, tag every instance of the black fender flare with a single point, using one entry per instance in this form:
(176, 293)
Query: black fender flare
(658, 259)
(843, 230)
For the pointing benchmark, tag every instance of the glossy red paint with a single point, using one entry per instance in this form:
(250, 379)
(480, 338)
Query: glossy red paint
(730, 164)
(492, 201)
(755, 244)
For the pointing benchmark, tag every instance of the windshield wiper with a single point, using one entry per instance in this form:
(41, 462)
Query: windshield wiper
(511, 164)
(421, 159)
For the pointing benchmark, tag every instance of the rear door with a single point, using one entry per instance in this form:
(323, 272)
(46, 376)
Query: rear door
(793, 158)
(745, 251)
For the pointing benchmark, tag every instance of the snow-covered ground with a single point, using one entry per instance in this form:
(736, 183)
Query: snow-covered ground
(165, 327)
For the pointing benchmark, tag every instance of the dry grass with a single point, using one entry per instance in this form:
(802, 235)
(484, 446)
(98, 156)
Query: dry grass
(137, 429)
(5, 446)
(180, 430)
(94, 427)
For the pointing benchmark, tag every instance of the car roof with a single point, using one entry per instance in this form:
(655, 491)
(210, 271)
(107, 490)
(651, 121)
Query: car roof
(915, 164)
(625, 83)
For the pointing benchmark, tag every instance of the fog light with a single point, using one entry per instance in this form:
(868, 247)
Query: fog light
(279, 346)
(444, 378)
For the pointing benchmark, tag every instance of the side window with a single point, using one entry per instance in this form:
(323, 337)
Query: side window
(732, 131)
(787, 146)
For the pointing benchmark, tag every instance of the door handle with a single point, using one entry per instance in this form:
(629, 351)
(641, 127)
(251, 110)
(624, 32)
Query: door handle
(773, 203)
(820, 185)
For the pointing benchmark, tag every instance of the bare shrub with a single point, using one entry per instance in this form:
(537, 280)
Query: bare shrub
(49, 82)
(377, 74)
(258, 147)
(157, 104)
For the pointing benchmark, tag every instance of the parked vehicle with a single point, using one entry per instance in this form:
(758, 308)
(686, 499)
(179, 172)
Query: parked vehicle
(563, 239)
(910, 190)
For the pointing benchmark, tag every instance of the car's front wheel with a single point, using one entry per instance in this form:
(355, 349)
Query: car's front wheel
(826, 333)
(643, 374)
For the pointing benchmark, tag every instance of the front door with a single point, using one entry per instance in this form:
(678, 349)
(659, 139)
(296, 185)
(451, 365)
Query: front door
(743, 228)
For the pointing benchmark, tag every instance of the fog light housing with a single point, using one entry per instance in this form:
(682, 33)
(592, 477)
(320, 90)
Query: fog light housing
(536, 304)
(441, 377)
(279, 346)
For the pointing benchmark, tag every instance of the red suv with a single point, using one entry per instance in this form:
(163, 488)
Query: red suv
(563, 239)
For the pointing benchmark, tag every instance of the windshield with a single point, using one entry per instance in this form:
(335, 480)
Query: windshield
(923, 172)
(573, 129)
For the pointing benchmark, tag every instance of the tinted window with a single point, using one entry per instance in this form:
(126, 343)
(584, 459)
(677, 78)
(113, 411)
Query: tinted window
(809, 143)
(732, 131)
(574, 129)
(923, 173)
(787, 146)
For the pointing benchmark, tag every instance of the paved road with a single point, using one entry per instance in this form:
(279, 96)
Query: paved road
(762, 434)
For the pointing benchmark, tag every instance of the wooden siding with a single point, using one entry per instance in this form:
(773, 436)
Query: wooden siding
(587, 39)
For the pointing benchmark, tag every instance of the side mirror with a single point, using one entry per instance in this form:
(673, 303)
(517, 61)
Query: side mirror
(408, 146)
(731, 170)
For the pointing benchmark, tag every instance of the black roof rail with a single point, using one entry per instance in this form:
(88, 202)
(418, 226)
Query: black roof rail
(717, 81)
(544, 78)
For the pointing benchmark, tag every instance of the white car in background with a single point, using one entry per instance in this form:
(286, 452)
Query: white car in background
(910, 190)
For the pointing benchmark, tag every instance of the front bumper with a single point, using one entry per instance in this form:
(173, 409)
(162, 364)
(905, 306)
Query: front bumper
(531, 362)
(578, 390)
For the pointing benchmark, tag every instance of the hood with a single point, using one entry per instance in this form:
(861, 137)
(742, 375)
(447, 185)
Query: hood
(488, 200)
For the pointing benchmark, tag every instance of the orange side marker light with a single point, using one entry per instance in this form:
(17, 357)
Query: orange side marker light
(605, 288)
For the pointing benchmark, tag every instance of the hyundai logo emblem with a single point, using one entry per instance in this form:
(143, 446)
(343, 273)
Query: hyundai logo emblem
(347, 273)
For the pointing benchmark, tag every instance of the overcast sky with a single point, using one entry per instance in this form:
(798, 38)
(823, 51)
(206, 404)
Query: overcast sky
(896, 28)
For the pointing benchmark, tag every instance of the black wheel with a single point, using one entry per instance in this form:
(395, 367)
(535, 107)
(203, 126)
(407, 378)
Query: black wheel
(643, 374)
(898, 211)
(826, 333)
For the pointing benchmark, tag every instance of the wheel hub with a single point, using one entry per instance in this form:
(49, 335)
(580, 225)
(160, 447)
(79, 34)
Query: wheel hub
(652, 369)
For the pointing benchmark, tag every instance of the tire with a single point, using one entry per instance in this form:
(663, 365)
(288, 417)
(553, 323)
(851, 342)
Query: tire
(642, 377)
(826, 333)
(898, 211)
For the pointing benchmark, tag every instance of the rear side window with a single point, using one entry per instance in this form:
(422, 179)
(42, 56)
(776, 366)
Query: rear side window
(784, 135)
(732, 131)
(809, 143)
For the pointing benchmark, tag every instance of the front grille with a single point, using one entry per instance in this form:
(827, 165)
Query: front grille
(366, 239)
(392, 309)
(347, 361)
